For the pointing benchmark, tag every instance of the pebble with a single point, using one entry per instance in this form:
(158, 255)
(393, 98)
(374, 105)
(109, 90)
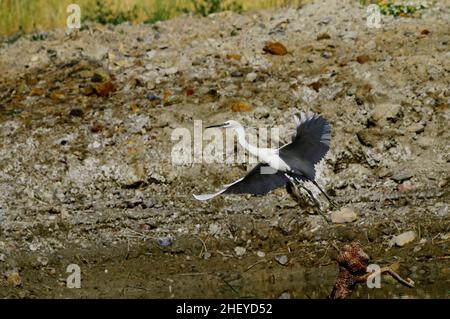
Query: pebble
(76, 112)
(344, 215)
(285, 295)
(206, 255)
(351, 35)
(42, 260)
(214, 229)
(239, 251)
(236, 74)
(251, 77)
(361, 59)
(327, 55)
(152, 97)
(282, 260)
(239, 106)
(402, 176)
(405, 187)
(275, 48)
(385, 111)
(261, 254)
(403, 239)
(164, 241)
(323, 36)
(96, 52)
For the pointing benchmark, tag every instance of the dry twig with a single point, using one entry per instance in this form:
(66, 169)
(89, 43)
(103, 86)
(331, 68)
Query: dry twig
(353, 262)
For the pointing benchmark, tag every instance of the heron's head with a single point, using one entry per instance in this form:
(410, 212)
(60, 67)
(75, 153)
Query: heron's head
(227, 124)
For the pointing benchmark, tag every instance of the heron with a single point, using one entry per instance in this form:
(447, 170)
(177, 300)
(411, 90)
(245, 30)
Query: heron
(292, 163)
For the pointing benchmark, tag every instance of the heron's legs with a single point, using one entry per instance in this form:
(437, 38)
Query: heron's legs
(295, 182)
(316, 202)
(325, 194)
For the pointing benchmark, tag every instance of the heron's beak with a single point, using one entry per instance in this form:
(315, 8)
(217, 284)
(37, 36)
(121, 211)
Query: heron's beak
(217, 125)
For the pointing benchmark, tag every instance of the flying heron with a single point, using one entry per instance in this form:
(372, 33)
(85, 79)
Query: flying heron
(293, 162)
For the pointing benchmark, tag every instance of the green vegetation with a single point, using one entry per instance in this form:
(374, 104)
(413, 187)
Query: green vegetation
(398, 8)
(18, 17)
(207, 7)
(102, 13)
(389, 8)
(161, 11)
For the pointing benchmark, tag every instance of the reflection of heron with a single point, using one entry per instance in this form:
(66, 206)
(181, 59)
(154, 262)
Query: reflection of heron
(293, 162)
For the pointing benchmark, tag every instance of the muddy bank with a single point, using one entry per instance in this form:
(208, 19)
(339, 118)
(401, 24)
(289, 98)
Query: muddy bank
(86, 174)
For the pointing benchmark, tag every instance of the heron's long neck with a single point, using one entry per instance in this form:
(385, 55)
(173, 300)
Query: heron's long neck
(241, 139)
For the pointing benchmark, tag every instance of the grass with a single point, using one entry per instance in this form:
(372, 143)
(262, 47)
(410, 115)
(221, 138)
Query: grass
(399, 8)
(32, 16)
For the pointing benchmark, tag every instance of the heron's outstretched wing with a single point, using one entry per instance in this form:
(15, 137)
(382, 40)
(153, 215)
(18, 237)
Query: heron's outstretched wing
(258, 181)
(309, 145)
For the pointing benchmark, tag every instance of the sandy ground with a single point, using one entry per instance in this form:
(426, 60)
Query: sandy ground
(87, 178)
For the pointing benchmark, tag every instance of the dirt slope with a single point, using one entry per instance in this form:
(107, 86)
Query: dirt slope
(86, 173)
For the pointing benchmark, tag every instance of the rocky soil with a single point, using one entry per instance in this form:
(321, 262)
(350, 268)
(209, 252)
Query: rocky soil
(87, 178)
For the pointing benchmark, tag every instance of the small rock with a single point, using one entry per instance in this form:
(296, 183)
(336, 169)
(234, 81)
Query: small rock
(236, 57)
(384, 112)
(164, 241)
(97, 127)
(282, 260)
(104, 89)
(76, 112)
(344, 215)
(402, 176)
(42, 260)
(238, 106)
(146, 227)
(153, 97)
(51, 53)
(99, 77)
(403, 239)
(315, 86)
(2, 257)
(239, 251)
(170, 71)
(214, 229)
(236, 74)
(190, 91)
(362, 59)
(405, 187)
(86, 74)
(325, 21)
(13, 278)
(417, 249)
(96, 52)
(327, 55)
(206, 255)
(251, 77)
(285, 295)
(275, 48)
(351, 35)
(371, 45)
(323, 36)
(261, 254)
(443, 211)
(368, 137)
(416, 128)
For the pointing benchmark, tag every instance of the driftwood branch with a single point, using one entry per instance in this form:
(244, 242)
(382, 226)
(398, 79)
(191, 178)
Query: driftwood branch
(353, 262)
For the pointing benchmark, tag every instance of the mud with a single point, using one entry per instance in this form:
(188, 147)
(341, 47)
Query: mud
(86, 173)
